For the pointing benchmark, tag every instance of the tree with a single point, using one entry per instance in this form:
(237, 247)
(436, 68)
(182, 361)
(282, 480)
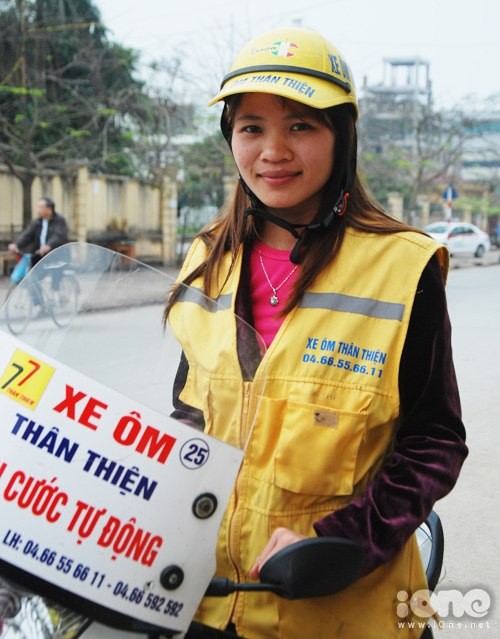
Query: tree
(387, 171)
(166, 118)
(439, 143)
(203, 167)
(410, 148)
(66, 94)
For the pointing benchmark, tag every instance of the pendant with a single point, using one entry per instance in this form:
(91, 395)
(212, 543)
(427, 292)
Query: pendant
(273, 300)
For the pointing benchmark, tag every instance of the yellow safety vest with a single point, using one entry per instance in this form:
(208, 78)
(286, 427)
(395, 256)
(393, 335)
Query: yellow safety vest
(320, 416)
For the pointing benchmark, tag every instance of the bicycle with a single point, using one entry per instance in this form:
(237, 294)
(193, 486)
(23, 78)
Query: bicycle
(54, 292)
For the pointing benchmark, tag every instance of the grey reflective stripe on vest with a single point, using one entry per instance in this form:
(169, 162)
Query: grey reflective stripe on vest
(195, 296)
(350, 304)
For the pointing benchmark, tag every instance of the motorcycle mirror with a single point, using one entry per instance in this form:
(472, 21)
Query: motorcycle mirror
(309, 568)
(313, 567)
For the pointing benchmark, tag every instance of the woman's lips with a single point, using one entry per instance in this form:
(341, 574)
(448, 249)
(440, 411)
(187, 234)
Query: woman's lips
(278, 177)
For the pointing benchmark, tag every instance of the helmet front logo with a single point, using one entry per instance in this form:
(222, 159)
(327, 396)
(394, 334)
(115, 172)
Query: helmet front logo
(281, 49)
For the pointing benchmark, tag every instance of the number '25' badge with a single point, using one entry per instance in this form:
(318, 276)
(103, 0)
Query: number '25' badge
(194, 453)
(25, 379)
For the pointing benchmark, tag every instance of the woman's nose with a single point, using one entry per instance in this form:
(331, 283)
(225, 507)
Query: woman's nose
(276, 148)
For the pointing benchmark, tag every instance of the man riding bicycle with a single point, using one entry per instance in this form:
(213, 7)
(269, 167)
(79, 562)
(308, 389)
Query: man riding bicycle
(51, 289)
(44, 234)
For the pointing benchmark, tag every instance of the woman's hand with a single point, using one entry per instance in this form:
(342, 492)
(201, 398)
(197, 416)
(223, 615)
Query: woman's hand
(281, 538)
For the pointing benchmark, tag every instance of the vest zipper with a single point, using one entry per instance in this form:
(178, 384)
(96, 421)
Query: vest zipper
(247, 388)
(233, 523)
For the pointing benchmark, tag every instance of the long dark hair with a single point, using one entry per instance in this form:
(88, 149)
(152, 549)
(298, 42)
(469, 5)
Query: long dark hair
(233, 228)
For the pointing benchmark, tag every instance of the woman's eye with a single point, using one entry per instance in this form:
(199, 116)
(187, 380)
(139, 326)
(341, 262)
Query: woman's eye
(251, 128)
(301, 126)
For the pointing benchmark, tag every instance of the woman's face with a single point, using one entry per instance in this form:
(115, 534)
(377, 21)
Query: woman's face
(283, 153)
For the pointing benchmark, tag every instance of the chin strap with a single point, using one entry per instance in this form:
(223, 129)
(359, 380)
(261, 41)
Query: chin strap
(257, 212)
(299, 230)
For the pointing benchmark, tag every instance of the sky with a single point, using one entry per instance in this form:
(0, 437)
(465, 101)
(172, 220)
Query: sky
(460, 41)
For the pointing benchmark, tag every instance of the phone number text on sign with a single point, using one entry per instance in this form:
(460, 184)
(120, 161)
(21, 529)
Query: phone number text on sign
(84, 573)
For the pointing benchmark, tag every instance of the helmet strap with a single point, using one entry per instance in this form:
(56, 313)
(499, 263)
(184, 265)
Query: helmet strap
(299, 231)
(256, 211)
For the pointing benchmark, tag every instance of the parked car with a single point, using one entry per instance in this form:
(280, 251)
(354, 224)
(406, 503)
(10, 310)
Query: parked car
(461, 238)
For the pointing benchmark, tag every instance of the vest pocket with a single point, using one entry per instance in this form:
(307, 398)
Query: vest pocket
(317, 450)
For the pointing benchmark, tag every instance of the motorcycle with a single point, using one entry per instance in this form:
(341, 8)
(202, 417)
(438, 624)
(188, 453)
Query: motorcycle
(110, 507)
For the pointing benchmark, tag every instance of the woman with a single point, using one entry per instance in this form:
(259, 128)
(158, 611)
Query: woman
(358, 431)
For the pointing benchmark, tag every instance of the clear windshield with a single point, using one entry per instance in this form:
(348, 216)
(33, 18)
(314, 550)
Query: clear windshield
(107, 502)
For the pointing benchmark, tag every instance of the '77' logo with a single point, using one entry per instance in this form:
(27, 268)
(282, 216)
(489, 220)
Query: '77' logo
(25, 379)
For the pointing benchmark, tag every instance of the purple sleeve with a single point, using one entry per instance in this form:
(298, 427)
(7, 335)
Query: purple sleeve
(182, 411)
(430, 444)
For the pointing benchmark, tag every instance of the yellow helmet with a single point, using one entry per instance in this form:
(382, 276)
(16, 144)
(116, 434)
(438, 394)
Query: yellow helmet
(295, 63)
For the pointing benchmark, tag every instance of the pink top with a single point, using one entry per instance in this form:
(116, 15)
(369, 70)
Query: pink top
(278, 267)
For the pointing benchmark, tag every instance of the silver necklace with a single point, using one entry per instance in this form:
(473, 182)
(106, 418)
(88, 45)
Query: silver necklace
(273, 300)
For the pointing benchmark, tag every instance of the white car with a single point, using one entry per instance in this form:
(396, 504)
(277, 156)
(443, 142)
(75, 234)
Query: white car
(461, 238)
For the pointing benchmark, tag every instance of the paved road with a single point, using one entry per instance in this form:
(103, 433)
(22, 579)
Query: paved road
(470, 513)
(489, 259)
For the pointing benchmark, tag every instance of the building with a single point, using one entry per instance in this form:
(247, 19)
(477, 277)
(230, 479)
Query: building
(461, 146)
(391, 108)
(481, 157)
